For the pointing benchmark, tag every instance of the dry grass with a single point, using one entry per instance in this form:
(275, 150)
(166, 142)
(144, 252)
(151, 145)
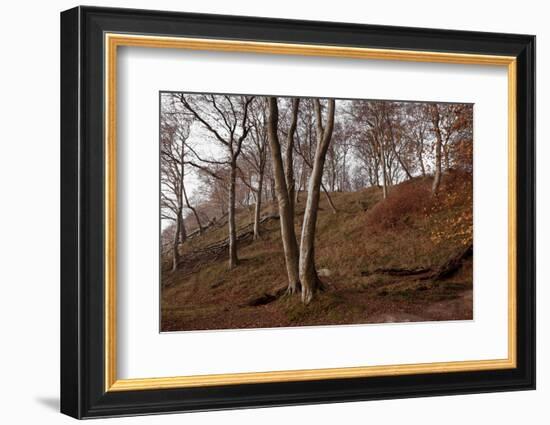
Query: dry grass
(409, 229)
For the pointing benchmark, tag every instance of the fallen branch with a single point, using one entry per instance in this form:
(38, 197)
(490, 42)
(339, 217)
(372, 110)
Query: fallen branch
(191, 262)
(214, 223)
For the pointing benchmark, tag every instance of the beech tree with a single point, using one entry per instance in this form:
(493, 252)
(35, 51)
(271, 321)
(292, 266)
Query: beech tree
(306, 139)
(416, 132)
(393, 114)
(367, 155)
(338, 156)
(461, 150)
(193, 210)
(289, 157)
(436, 119)
(308, 274)
(371, 116)
(451, 124)
(254, 159)
(173, 135)
(286, 213)
(241, 152)
(225, 118)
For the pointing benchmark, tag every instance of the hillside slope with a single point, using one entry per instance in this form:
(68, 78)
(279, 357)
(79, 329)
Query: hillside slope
(406, 258)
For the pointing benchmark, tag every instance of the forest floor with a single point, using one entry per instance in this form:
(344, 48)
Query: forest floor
(380, 261)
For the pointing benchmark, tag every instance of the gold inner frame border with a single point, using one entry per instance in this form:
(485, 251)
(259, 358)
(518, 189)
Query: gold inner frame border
(111, 43)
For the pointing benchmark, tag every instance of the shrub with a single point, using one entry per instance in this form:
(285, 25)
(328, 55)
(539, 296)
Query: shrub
(403, 202)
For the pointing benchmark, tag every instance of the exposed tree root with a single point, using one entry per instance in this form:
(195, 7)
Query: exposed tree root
(398, 272)
(453, 264)
(446, 270)
(265, 298)
(292, 290)
(261, 300)
(269, 297)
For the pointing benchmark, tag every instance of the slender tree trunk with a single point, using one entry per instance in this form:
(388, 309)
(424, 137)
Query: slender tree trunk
(372, 180)
(258, 207)
(446, 159)
(288, 235)
(380, 151)
(289, 161)
(377, 170)
(233, 260)
(384, 176)
(193, 210)
(274, 205)
(308, 274)
(175, 247)
(303, 178)
(343, 178)
(421, 160)
(437, 174)
(438, 143)
(331, 178)
(390, 176)
(329, 199)
(403, 166)
(183, 230)
(298, 188)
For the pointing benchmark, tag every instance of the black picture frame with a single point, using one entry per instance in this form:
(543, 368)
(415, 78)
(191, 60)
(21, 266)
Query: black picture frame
(83, 392)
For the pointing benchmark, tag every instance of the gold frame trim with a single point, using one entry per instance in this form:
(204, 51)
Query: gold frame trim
(113, 41)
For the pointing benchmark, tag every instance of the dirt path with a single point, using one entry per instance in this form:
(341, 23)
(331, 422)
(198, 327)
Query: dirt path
(458, 307)
(462, 306)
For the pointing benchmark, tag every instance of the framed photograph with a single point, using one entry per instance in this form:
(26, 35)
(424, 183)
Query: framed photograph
(261, 212)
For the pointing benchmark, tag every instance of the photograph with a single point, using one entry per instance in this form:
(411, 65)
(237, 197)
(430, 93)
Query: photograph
(284, 211)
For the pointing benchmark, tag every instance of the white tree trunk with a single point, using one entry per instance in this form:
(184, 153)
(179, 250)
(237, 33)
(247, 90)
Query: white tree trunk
(438, 143)
(183, 230)
(233, 260)
(258, 207)
(288, 235)
(308, 274)
(384, 173)
(329, 199)
(175, 247)
(289, 162)
(193, 210)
